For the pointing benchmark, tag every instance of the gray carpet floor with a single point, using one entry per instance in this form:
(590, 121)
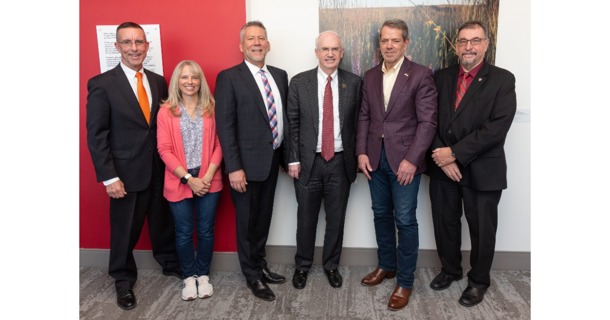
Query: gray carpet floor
(158, 297)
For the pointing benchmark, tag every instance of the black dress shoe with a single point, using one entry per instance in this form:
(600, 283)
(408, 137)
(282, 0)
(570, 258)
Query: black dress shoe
(261, 290)
(334, 278)
(272, 277)
(299, 279)
(472, 296)
(126, 300)
(173, 273)
(442, 281)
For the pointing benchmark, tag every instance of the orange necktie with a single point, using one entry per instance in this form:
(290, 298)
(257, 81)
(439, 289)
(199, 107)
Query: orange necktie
(143, 98)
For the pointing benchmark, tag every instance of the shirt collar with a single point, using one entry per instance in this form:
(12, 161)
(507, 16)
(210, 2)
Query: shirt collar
(473, 72)
(130, 72)
(254, 69)
(395, 67)
(324, 76)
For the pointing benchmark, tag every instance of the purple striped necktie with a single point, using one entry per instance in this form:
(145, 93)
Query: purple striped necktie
(270, 102)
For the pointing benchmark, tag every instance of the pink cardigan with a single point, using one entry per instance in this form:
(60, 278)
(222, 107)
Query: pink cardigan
(169, 144)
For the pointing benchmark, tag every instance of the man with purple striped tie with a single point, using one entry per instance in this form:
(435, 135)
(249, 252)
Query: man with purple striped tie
(250, 119)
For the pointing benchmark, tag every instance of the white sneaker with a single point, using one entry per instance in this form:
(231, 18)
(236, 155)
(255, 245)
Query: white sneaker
(204, 287)
(189, 291)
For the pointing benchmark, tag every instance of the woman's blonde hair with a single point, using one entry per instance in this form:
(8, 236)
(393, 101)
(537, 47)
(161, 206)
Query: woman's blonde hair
(204, 97)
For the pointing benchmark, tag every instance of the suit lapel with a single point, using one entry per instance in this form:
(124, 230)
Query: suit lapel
(342, 86)
(279, 81)
(475, 85)
(154, 91)
(401, 83)
(124, 87)
(311, 91)
(252, 86)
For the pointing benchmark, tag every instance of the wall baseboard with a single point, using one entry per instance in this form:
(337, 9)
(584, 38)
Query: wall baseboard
(228, 262)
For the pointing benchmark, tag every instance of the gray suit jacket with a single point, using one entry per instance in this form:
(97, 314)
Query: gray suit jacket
(303, 119)
(242, 122)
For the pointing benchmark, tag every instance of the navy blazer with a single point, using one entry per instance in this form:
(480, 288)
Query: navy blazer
(242, 122)
(120, 141)
(477, 130)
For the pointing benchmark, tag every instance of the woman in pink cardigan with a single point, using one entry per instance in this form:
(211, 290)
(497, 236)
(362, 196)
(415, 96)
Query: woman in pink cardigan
(188, 144)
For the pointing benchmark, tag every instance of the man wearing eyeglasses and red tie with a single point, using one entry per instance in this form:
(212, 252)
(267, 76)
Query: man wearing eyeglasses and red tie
(467, 166)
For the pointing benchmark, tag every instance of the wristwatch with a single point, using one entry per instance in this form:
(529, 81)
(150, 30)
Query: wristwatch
(186, 178)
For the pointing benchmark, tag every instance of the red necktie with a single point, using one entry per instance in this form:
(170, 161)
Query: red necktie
(461, 90)
(328, 137)
(143, 98)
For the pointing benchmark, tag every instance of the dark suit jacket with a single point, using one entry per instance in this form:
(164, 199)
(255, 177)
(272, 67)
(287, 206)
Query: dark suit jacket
(242, 121)
(409, 123)
(303, 116)
(477, 130)
(120, 141)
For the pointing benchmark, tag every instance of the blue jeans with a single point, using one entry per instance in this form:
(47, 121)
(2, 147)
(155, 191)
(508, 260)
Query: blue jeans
(394, 207)
(204, 209)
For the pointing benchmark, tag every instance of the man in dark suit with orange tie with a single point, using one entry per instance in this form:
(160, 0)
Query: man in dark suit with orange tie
(322, 110)
(122, 106)
(397, 122)
(250, 119)
(467, 167)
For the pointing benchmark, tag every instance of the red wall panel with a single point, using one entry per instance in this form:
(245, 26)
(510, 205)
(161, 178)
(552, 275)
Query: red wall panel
(204, 31)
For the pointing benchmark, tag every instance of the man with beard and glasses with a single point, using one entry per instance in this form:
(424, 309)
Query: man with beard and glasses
(467, 165)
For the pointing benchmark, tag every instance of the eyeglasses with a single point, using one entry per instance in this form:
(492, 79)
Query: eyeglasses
(129, 43)
(473, 42)
(334, 50)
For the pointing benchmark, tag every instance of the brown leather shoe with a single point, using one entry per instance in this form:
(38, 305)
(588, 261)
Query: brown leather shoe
(376, 277)
(400, 298)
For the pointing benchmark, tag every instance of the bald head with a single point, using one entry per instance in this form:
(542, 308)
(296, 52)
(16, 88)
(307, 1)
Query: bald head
(328, 33)
(329, 51)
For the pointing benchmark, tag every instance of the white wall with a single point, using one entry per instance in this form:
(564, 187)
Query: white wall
(292, 27)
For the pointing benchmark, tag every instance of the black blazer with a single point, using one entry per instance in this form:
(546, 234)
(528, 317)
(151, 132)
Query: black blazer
(120, 141)
(476, 132)
(242, 122)
(303, 116)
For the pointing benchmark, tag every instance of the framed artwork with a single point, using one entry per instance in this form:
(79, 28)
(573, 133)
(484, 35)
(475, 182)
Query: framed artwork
(432, 27)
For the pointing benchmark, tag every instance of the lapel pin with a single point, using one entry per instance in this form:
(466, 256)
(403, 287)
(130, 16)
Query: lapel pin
(406, 75)
(480, 79)
(343, 86)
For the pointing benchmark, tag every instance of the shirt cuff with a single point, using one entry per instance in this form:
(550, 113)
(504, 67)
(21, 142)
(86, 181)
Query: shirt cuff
(111, 181)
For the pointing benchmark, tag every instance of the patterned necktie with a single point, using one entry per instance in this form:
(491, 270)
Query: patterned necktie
(143, 98)
(328, 136)
(461, 90)
(270, 108)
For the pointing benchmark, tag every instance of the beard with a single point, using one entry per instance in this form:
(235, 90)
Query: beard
(470, 62)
